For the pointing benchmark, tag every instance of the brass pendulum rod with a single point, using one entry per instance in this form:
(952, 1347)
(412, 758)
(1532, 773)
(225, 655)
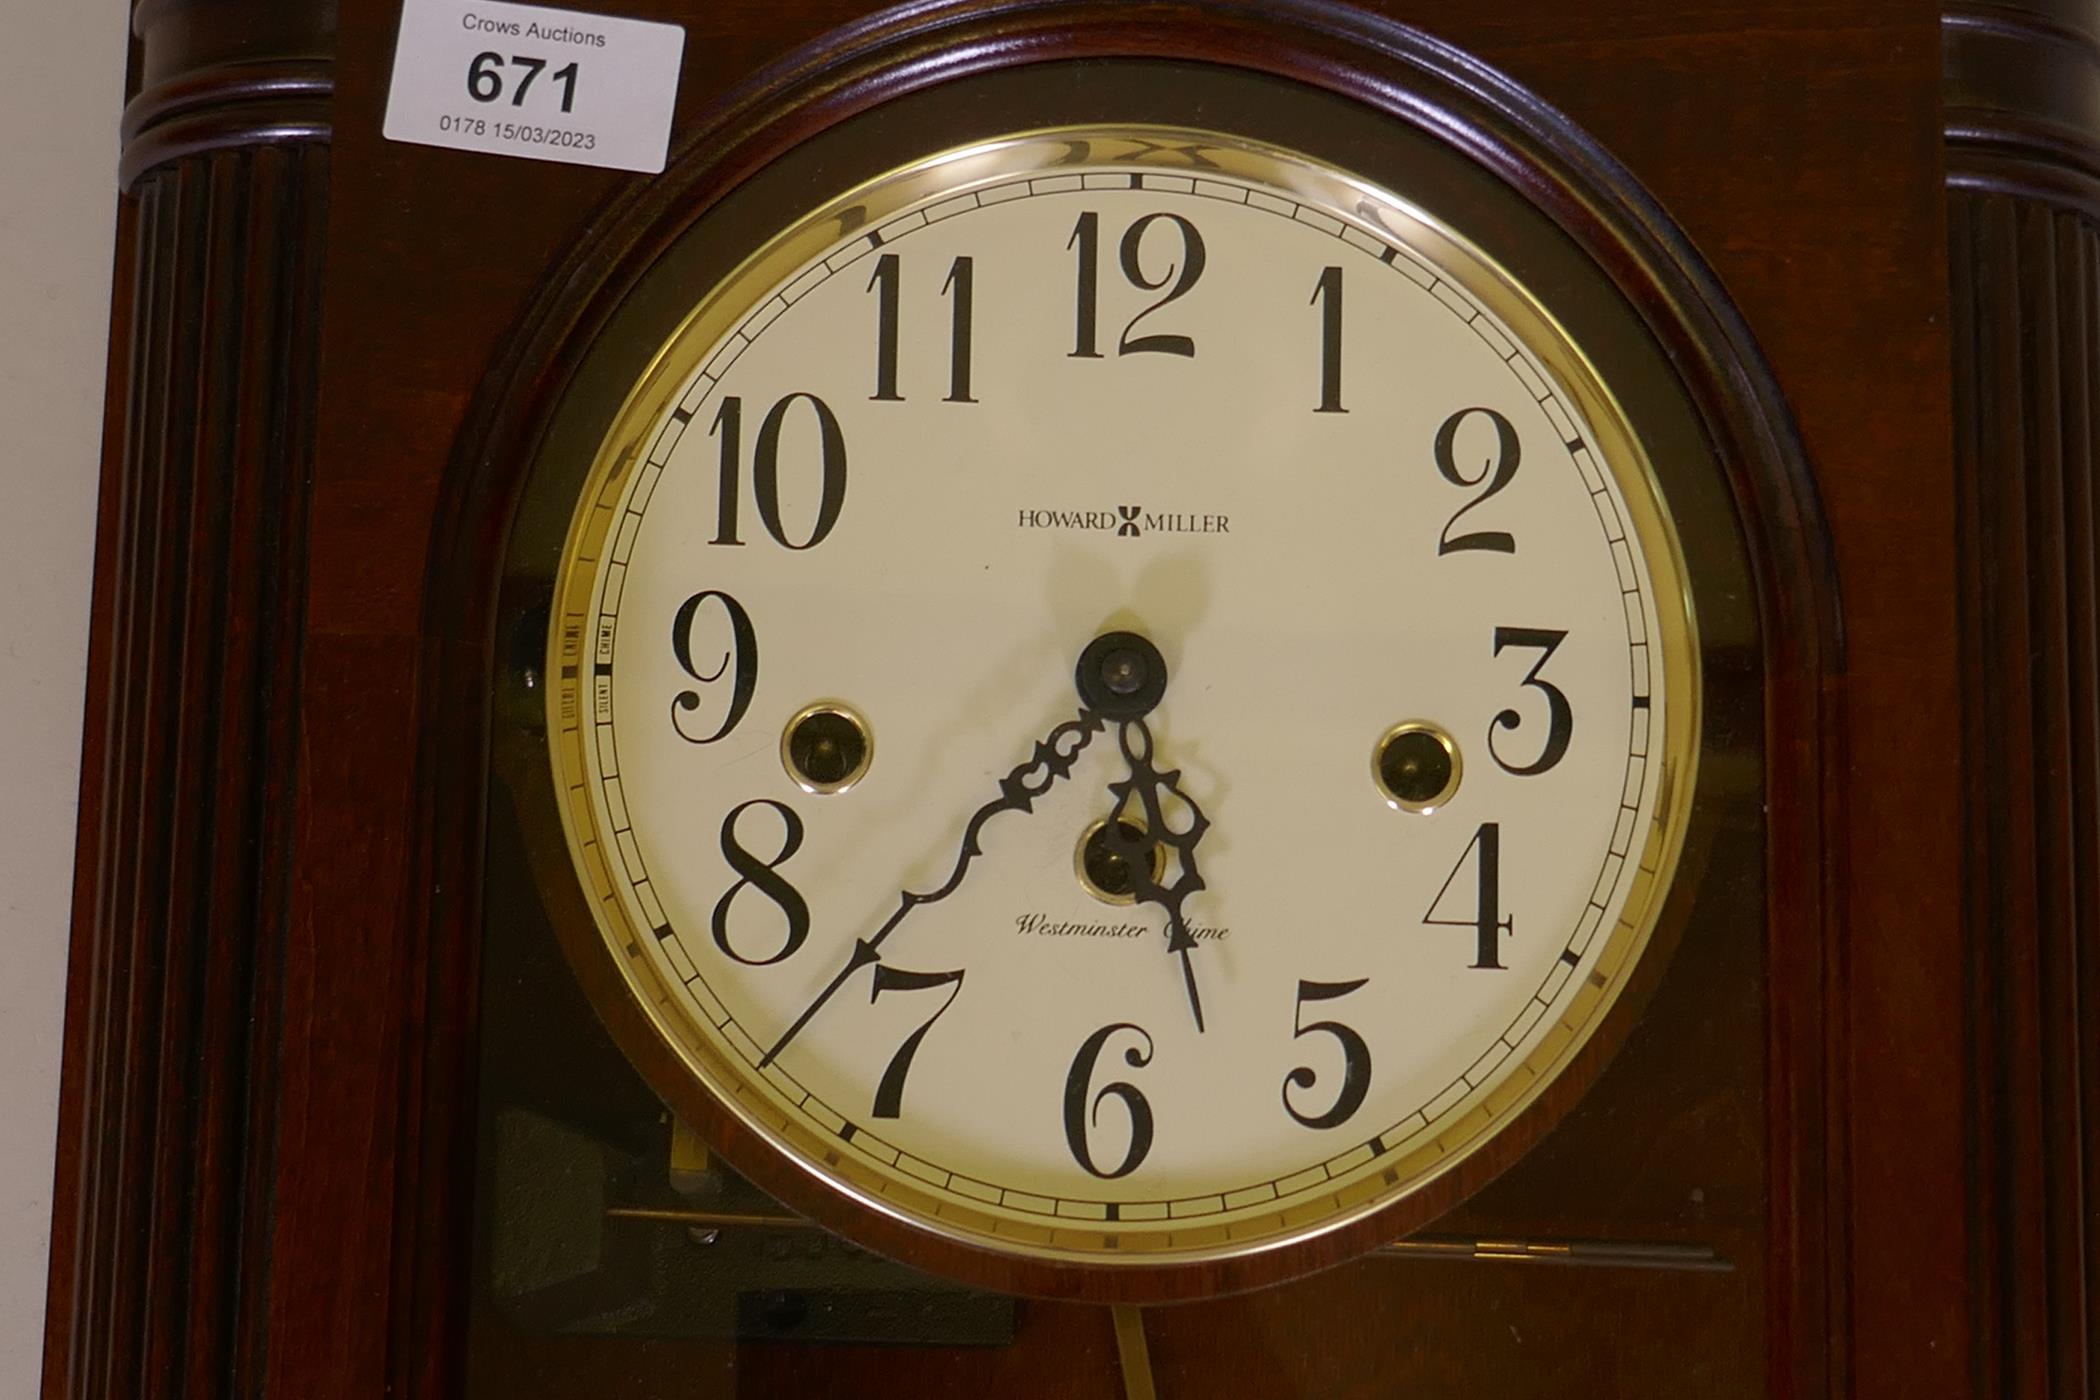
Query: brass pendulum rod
(1132, 1354)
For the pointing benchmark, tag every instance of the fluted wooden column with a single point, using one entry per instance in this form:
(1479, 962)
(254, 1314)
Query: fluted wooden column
(2023, 175)
(160, 1265)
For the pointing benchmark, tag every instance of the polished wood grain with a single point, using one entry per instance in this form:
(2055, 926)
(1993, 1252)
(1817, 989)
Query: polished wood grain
(264, 1156)
(226, 77)
(2023, 172)
(168, 1134)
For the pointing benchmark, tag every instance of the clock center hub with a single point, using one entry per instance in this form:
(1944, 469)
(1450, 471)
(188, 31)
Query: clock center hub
(1121, 675)
(1104, 871)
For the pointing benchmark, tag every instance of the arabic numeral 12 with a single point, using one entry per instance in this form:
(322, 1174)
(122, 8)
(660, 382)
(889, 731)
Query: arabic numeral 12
(486, 73)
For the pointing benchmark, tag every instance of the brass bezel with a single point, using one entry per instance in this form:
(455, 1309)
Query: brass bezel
(860, 771)
(758, 1104)
(1451, 750)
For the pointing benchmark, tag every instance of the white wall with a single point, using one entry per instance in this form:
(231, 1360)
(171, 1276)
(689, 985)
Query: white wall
(61, 101)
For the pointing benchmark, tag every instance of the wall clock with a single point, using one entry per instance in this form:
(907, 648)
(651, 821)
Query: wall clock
(1189, 657)
(893, 970)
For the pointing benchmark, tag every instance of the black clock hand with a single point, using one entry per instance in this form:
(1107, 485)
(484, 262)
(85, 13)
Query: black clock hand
(1054, 756)
(1123, 675)
(1136, 841)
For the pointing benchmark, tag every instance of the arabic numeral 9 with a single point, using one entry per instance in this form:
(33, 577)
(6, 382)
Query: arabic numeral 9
(485, 78)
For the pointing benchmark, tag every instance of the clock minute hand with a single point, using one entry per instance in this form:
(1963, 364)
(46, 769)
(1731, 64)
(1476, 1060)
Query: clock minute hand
(1054, 756)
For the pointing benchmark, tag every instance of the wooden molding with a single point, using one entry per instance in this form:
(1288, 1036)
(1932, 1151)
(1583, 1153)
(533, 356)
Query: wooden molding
(2023, 175)
(160, 1265)
(225, 76)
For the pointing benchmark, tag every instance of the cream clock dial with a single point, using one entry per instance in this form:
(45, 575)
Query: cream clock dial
(1122, 695)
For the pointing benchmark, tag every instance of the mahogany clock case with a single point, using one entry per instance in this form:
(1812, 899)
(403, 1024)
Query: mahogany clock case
(297, 1124)
(1634, 1174)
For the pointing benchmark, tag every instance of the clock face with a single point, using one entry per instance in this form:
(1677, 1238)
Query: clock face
(1122, 695)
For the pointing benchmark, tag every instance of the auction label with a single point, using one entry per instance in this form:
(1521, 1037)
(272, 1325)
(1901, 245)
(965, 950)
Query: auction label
(526, 80)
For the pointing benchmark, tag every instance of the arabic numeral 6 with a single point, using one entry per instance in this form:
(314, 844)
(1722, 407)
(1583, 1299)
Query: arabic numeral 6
(485, 78)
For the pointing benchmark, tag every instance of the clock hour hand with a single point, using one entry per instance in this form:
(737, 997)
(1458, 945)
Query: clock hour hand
(1138, 835)
(1123, 676)
(1053, 758)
